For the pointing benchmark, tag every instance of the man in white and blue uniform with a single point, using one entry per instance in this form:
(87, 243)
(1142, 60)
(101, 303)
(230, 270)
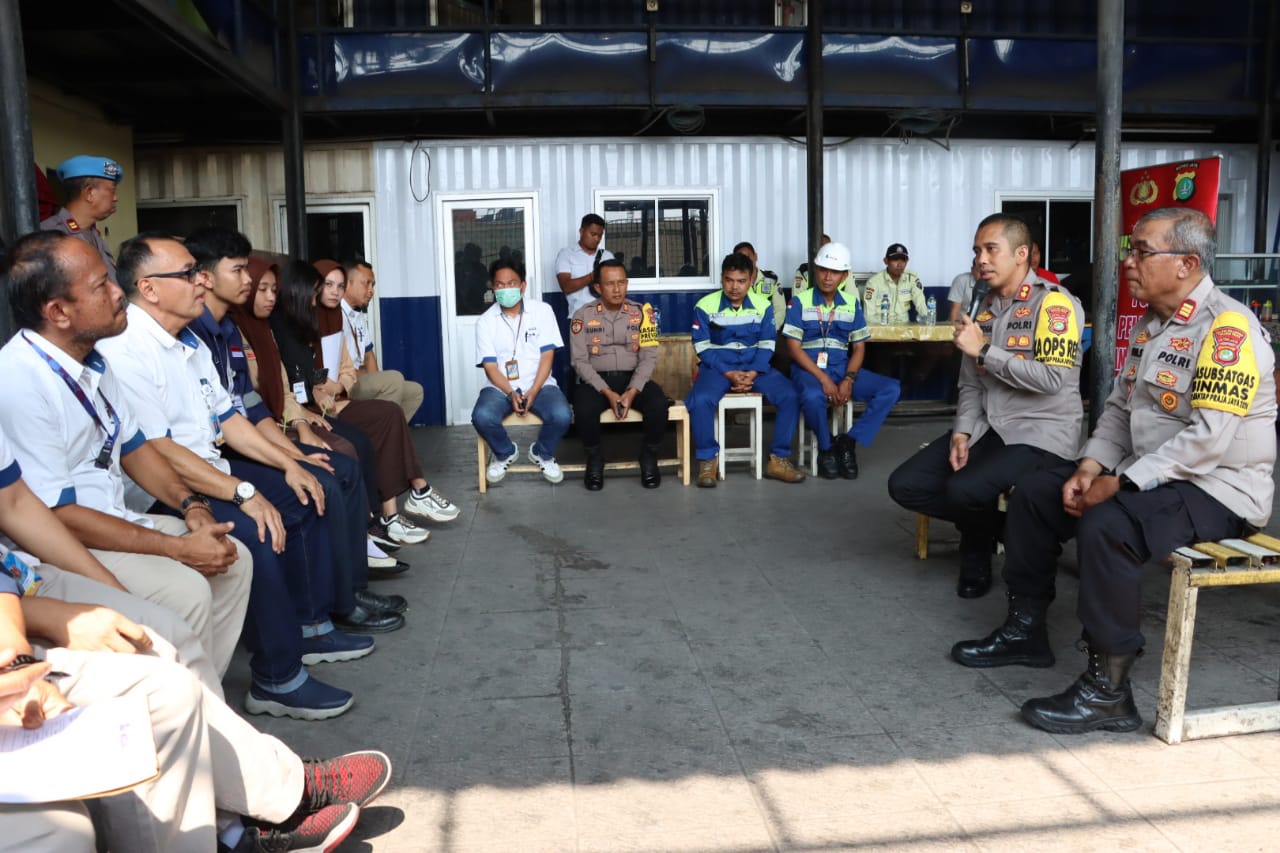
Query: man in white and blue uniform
(827, 336)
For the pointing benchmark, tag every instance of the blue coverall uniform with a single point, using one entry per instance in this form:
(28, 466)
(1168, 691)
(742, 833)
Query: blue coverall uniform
(833, 330)
(725, 339)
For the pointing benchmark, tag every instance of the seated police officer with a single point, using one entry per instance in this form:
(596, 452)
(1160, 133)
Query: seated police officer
(614, 344)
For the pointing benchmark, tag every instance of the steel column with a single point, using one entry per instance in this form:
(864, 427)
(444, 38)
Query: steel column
(1106, 204)
(295, 187)
(19, 210)
(813, 132)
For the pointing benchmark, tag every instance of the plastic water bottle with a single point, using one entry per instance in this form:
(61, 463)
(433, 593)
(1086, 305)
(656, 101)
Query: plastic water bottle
(884, 309)
(657, 318)
(1267, 309)
(931, 311)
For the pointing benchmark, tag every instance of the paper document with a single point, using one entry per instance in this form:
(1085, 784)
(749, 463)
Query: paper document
(94, 751)
(331, 350)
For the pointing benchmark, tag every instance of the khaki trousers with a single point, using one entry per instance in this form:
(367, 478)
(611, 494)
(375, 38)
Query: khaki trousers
(214, 766)
(61, 827)
(214, 606)
(389, 385)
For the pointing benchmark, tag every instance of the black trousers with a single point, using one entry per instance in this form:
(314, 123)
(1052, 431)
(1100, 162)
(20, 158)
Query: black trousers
(1113, 541)
(968, 498)
(588, 404)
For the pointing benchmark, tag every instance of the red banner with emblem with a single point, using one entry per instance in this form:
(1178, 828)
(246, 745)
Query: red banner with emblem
(1188, 183)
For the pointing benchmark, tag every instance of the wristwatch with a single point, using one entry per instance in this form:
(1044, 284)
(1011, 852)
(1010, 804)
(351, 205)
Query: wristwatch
(852, 374)
(244, 492)
(191, 500)
(982, 354)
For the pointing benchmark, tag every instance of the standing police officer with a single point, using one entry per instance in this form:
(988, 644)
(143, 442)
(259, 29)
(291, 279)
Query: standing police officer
(1019, 408)
(821, 327)
(614, 345)
(90, 186)
(1183, 453)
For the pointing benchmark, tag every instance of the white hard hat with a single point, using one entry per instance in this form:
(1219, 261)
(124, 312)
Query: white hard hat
(833, 256)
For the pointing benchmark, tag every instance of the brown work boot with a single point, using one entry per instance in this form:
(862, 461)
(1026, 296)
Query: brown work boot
(780, 468)
(708, 471)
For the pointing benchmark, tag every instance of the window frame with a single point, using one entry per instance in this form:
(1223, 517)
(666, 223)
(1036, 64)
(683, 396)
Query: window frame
(672, 284)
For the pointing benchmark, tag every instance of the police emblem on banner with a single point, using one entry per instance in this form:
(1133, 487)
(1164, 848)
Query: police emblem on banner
(1144, 192)
(1184, 185)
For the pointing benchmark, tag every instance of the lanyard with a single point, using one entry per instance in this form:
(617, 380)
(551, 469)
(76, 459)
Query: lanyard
(103, 459)
(515, 338)
(822, 330)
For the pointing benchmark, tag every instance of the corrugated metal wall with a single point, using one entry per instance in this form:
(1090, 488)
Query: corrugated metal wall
(253, 176)
(878, 192)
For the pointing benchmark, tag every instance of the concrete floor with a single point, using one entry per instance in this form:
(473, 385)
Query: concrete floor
(759, 667)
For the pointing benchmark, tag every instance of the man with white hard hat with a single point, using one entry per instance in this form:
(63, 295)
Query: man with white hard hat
(826, 333)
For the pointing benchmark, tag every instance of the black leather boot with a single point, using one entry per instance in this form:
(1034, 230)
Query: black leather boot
(650, 475)
(1023, 639)
(1101, 699)
(828, 467)
(846, 457)
(593, 477)
(975, 566)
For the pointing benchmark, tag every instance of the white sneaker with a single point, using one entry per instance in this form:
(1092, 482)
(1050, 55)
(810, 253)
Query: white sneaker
(498, 467)
(404, 531)
(378, 559)
(432, 505)
(550, 467)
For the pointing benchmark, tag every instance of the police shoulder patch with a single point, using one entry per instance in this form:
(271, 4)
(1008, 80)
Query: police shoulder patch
(1226, 375)
(575, 326)
(1057, 334)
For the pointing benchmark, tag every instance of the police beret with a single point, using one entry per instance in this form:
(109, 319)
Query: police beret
(88, 166)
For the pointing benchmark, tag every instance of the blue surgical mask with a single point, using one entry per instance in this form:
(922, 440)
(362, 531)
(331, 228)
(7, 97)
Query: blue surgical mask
(508, 297)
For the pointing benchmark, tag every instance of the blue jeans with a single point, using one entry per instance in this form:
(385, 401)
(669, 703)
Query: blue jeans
(878, 392)
(550, 405)
(704, 399)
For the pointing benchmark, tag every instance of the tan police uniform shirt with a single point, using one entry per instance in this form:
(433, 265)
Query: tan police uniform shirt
(1196, 401)
(1028, 386)
(601, 340)
(902, 293)
(66, 223)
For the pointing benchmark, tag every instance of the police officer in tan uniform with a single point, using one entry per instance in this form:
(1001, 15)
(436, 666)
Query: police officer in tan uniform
(614, 345)
(1183, 453)
(1019, 406)
(90, 186)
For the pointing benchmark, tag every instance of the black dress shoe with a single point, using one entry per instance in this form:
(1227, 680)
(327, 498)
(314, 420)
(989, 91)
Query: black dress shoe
(593, 477)
(974, 583)
(650, 476)
(390, 572)
(385, 603)
(361, 621)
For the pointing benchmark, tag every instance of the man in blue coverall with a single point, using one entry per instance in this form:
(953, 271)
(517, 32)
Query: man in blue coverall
(733, 337)
(821, 327)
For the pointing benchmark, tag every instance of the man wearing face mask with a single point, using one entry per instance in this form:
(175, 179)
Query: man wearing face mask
(516, 340)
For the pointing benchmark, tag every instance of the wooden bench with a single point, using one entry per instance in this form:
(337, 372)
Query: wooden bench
(681, 460)
(1231, 562)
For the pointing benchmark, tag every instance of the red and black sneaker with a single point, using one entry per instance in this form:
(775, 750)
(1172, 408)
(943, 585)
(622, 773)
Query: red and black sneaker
(320, 832)
(357, 777)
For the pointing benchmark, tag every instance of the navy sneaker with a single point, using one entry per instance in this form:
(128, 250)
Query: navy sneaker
(333, 647)
(314, 700)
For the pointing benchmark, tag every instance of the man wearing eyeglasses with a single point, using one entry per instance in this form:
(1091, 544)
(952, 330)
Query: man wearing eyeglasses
(170, 381)
(1019, 407)
(74, 432)
(1183, 453)
(90, 185)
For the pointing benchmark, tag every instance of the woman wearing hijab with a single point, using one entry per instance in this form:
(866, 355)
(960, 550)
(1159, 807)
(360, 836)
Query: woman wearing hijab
(306, 316)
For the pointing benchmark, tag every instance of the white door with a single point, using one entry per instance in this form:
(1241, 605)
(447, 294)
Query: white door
(474, 231)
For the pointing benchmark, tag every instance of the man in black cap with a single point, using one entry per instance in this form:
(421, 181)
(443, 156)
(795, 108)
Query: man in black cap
(901, 287)
(90, 186)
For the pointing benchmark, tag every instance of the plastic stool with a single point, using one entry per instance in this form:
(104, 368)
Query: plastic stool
(754, 405)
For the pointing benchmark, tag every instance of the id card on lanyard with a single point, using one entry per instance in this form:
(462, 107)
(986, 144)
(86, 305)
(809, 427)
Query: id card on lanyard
(207, 391)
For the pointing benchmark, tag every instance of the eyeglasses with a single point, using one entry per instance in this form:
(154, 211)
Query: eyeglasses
(189, 274)
(1143, 254)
